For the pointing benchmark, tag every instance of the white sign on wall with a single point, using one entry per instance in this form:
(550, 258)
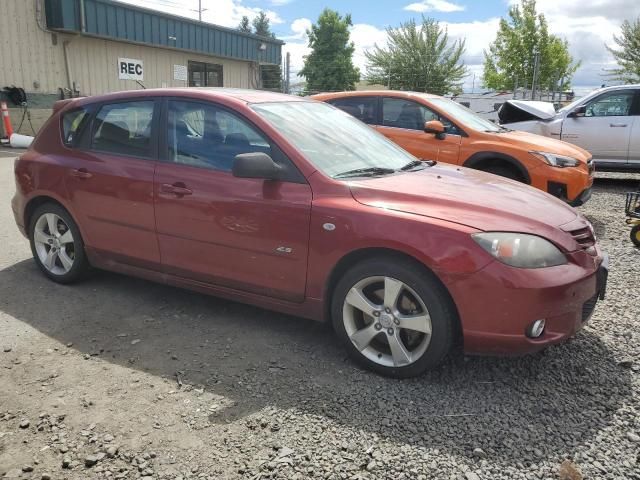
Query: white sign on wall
(180, 72)
(130, 69)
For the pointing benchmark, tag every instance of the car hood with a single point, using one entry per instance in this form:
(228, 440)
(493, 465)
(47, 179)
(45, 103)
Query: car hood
(468, 197)
(541, 110)
(538, 143)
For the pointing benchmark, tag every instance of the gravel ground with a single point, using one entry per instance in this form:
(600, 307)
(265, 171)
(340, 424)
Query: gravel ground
(121, 378)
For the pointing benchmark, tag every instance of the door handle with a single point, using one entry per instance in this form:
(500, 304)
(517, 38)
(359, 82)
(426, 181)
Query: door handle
(176, 189)
(80, 173)
(617, 125)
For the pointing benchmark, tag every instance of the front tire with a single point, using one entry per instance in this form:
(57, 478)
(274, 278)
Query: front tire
(635, 235)
(504, 171)
(393, 317)
(56, 244)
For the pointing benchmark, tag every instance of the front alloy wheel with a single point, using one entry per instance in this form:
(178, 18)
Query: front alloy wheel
(393, 316)
(387, 321)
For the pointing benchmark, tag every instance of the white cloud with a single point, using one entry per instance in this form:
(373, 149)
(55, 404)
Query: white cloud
(588, 25)
(434, 6)
(278, 3)
(226, 13)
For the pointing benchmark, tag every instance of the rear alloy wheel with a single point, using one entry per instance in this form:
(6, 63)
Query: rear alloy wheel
(393, 318)
(56, 244)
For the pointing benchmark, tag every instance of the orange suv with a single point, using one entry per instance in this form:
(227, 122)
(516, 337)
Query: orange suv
(436, 128)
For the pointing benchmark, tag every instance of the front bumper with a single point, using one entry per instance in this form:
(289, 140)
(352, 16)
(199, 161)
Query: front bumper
(498, 303)
(572, 184)
(582, 198)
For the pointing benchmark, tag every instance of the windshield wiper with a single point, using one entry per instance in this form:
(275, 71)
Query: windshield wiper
(414, 164)
(365, 172)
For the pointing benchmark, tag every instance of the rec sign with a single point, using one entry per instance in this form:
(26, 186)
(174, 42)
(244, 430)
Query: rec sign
(130, 69)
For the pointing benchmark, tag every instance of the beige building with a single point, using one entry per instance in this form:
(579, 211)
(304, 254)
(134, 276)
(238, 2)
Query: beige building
(55, 49)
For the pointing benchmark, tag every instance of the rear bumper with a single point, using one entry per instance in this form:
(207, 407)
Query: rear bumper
(18, 213)
(498, 303)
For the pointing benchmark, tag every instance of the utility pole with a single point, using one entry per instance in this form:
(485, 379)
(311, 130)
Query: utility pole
(473, 84)
(199, 10)
(536, 68)
(515, 88)
(287, 86)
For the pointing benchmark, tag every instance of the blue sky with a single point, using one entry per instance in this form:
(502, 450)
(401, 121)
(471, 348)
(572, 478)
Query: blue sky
(380, 14)
(587, 25)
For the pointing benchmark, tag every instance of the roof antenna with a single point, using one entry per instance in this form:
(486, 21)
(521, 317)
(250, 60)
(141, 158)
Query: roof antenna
(141, 84)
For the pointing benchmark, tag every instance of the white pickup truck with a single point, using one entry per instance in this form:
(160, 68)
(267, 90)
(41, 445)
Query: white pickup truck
(606, 123)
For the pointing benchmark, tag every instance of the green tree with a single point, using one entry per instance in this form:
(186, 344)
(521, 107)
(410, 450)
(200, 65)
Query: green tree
(270, 75)
(510, 61)
(419, 58)
(329, 66)
(628, 52)
(245, 26)
(261, 25)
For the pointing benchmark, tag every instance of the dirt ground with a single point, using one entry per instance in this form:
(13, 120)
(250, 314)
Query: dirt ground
(121, 378)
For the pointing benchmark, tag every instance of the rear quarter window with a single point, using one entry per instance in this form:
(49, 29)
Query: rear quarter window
(72, 124)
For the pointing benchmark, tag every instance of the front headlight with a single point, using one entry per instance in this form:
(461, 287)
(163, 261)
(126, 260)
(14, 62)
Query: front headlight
(520, 249)
(556, 160)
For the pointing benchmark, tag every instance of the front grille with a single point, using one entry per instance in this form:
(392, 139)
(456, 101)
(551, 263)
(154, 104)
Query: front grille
(588, 307)
(584, 237)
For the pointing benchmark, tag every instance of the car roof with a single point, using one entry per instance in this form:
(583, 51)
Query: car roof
(375, 93)
(238, 94)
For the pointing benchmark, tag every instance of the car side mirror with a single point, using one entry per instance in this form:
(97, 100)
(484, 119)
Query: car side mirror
(255, 165)
(436, 127)
(581, 111)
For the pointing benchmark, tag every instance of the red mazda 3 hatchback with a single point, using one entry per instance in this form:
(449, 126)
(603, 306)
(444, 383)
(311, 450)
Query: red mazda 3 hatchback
(294, 205)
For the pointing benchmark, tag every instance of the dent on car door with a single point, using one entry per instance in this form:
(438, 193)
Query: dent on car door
(403, 122)
(605, 128)
(111, 182)
(242, 233)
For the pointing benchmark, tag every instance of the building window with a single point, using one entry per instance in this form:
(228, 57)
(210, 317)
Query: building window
(205, 74)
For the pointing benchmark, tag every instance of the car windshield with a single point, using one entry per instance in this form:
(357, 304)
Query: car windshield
(462, 114)
(335, 142)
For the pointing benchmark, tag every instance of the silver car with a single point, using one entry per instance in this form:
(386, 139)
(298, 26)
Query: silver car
(606, 123)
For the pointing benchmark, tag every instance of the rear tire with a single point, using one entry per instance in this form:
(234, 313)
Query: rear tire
(393, 317)
(635, 235)
(56, 244)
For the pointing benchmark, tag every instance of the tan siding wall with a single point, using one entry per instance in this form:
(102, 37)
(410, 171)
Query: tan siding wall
(94, 66)
(27, 54)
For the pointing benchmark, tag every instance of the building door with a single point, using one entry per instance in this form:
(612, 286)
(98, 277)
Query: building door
(205, 74)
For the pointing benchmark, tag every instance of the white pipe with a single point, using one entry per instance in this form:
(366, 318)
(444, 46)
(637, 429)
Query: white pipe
(20, 141)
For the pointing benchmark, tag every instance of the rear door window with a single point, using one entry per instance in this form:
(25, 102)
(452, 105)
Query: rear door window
(124, 128)
(73, 122)
(363, 108)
